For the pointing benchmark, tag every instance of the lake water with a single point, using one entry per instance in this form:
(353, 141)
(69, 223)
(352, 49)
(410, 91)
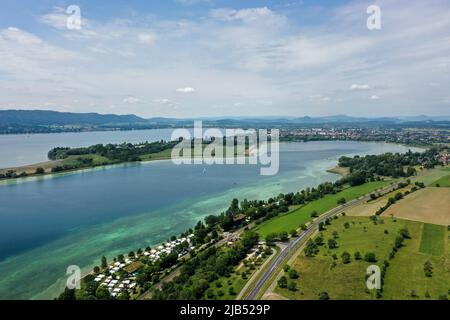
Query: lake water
(49, 223)
(20, 149)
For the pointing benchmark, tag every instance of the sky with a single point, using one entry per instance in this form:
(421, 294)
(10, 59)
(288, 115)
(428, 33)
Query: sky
(192, 58)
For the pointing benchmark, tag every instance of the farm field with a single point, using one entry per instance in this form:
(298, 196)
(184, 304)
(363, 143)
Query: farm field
(430, 205)
(442, 182)
(295, 218)
(429, 176)
(433, 237)
(406, 278)
(369, 208)
(323, 273)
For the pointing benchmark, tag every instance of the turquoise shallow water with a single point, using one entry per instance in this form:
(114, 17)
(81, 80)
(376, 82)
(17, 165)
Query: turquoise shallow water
(74, 219)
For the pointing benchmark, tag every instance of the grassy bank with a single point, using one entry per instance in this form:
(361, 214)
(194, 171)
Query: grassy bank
(343, 171)
(295, 218)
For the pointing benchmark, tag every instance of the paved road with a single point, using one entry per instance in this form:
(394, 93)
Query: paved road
(293, 243)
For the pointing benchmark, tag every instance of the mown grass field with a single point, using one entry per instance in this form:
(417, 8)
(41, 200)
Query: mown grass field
(406, 272)
(163, 155)
(429, 176)
(442, 182)
(293, 219)
(348, 281)
(433, 239)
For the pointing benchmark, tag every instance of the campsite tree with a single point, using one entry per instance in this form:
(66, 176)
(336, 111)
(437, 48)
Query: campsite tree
(102, 293)
(104, 263)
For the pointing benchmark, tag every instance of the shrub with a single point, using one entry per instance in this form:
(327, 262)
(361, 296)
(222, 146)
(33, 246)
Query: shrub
(370, 257)
(428, 269)
(292, 286)
(345, 257)
(282, 282)
(332, 244)
(293, 274)
(324, 296)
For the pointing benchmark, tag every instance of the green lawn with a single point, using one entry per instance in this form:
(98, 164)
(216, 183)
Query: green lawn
(235, 281)
(295, 218)
(433, 239)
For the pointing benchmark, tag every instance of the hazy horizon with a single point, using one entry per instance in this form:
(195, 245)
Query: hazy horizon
(256, 116)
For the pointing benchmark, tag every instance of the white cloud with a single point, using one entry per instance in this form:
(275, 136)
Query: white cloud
(147, 38)
(374, 97)
(162, 101)
(186, 90)
(319, 98)
(20, 37)
(359, 87)
(249, 15)
(27, 56)
(56, 19)
(131, 100)
(246, 55)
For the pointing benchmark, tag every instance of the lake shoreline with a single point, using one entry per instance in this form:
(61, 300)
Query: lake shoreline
(30, 170)
(131, 218)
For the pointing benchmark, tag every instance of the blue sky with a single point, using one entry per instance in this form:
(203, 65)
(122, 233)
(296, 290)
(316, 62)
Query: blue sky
(187, 58)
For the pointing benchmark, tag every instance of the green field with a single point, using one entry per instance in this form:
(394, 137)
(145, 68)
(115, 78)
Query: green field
(163, 155)
(442, 182)
(406, 272)
(433, 239)
(430, 176)
(293, 219)
(348, 281)
(96, 160)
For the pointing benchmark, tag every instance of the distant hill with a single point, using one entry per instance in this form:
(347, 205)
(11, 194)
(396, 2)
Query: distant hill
(54, 118)
(39, 121)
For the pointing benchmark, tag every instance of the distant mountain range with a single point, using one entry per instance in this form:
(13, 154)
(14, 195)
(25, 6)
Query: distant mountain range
(46, 118)
(32, 121)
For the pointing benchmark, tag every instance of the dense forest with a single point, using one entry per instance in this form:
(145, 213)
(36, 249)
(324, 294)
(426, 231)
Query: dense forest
(388, 164)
